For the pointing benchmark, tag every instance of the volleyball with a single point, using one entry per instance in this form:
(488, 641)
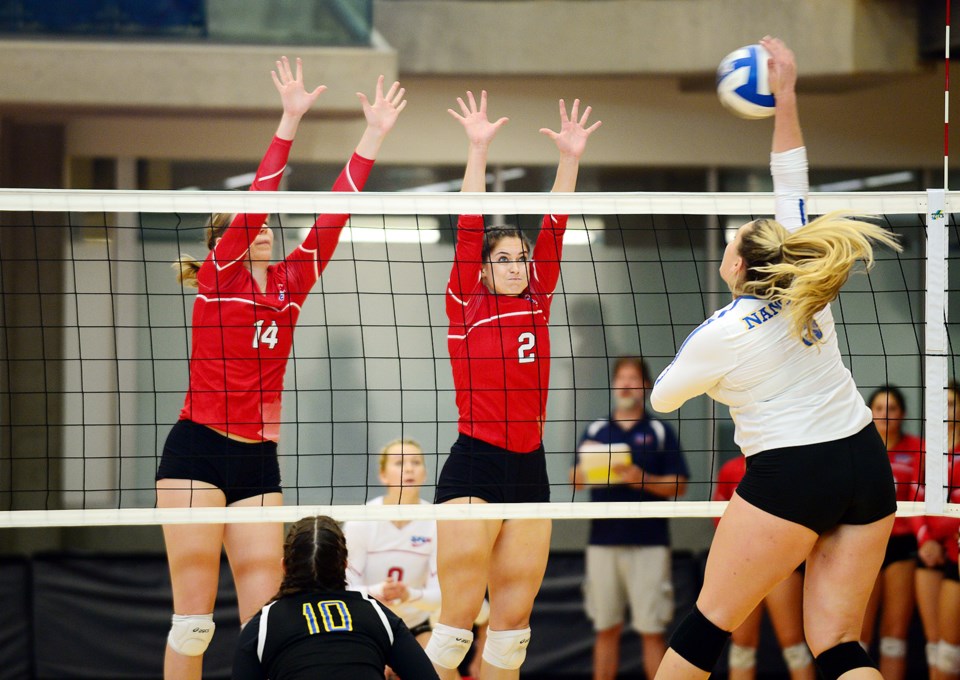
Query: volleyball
(742, 83)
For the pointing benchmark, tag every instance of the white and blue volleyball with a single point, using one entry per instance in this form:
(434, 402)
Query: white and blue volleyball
(743, 85)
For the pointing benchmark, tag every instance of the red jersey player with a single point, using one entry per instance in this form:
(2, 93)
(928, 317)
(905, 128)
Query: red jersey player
(894, 595)
(938, 580)
(498, 303)
(223, 451)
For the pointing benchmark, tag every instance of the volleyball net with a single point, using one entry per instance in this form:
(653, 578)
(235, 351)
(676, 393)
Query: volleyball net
(96, 335)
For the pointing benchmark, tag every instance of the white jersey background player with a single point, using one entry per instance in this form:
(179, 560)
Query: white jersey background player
(396, 562)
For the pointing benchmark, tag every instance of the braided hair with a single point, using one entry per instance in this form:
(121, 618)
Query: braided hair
(314, 557)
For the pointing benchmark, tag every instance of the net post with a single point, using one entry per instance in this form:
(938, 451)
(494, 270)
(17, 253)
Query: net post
(936, 350)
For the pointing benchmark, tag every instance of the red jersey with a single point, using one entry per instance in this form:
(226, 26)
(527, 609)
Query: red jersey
(944, 530)
(242, 335)
(728, 478)
(906, 459)
(499, 345)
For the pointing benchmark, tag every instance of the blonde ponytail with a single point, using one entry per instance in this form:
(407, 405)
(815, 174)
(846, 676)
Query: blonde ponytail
(807, 268)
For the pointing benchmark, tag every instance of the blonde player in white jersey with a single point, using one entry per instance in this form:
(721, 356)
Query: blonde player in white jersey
(818, 485)
(396, 562)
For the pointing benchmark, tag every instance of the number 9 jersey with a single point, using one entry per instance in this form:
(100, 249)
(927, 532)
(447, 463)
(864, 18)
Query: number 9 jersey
(499, 345)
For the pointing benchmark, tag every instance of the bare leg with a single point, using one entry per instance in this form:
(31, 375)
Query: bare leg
(464, 551)
(898, 604)
(255, 552)
(785, 604)
(606, 653)
(193, 555)
(841, 572)
(747, 635)
(518, 563)
(751, 553)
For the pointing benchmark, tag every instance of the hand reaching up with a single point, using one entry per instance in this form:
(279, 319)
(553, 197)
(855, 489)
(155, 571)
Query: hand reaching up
(571, 140)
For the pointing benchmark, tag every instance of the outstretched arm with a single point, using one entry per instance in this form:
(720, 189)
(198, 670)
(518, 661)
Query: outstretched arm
(296, 100)
(571, 141)
(782, 68)
(381, 116)
(480, 133)
(788, 157)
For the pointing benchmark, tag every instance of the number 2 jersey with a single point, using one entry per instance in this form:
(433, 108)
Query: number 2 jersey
(333, 635)
(499, 345)
(242, 335)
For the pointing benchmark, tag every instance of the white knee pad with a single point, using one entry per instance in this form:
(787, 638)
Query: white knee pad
(741, 657)
(191, 635)
(448, 646)
(931, 652)
(506, 648)
(895, 648)
(948, 657)
(797, 656)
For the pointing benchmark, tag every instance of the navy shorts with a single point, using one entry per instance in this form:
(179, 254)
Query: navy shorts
(476, 468)
(239, 469)
(846, 481)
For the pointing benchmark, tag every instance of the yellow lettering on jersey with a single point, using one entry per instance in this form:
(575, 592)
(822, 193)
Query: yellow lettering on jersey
(336, 616)
(311, 616)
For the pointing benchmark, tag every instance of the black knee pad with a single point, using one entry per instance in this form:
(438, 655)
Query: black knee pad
(844, 657)
(699, 641)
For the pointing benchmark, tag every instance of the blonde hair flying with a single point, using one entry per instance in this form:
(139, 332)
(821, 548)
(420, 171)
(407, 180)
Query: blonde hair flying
(806, 268)
(187, 266)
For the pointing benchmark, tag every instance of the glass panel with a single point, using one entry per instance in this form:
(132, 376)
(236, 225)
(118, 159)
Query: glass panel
(266, 22)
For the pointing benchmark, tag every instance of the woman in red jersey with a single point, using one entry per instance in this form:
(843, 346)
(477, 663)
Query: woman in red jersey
(893, 596)
(498, 304)
(223, 450)
(784, 604)
(938, 577)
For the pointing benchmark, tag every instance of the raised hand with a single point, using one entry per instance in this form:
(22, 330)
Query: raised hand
(571, 140)
(382, 114)
(781, 67)
(480, 131)
(296, 100)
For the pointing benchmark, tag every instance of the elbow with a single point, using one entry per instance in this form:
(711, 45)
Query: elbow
(661, 403)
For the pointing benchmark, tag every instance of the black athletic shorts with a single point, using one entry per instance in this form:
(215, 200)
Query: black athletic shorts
(846, 481)
(476, 468)
(951, 571)
(239, 469)
(900, 548)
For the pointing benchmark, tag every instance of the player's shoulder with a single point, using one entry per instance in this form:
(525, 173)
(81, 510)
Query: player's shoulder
(596, 428)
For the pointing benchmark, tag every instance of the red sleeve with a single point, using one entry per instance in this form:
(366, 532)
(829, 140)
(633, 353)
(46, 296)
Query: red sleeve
(245, 227)
(547, 254)
(323, 238)
(467, 260)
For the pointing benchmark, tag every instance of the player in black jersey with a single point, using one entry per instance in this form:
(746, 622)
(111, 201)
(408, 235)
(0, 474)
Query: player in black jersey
(315, 628)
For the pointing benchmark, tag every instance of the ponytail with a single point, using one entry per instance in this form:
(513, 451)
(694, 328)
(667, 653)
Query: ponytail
(807, 268)
(187, 267)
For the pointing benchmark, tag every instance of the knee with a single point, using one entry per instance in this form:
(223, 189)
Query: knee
(742, 657)
(842, 658)
(506, 649)
(190, 635)
(448, 646)
(948, 658)
(699, 641)
(893, 647)
(797, 656)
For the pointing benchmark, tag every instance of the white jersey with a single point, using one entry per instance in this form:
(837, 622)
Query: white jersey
(380, 550)
(781, 391)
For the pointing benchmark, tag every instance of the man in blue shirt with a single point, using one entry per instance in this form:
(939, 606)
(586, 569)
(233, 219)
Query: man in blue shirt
(628, 560)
